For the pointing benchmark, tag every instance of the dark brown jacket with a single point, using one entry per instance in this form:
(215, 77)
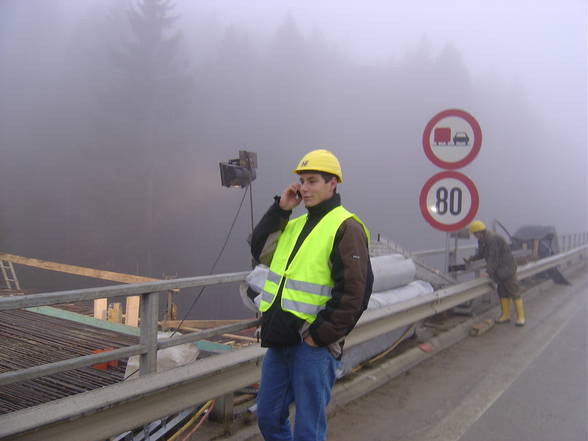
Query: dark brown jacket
(351, 271)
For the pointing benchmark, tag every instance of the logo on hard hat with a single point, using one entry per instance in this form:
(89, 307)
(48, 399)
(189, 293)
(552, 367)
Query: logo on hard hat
(304, 163)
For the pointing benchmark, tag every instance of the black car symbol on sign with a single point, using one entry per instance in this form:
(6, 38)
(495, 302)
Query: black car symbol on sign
(461, 137)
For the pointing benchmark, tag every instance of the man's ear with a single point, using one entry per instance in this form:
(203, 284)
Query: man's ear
(333, 183)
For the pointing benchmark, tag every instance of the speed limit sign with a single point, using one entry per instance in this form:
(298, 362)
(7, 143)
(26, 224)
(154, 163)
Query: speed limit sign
(449, 201)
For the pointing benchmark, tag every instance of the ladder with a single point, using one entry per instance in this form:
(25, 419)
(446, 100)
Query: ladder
(9, 275)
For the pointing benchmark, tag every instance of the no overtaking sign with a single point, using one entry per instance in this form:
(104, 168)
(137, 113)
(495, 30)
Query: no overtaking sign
(452, 139)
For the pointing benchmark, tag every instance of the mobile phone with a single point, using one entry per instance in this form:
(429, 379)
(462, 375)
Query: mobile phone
(298, 195)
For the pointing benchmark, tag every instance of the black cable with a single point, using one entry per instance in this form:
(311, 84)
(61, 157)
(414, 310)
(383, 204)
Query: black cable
(215, 262)
(210, 272)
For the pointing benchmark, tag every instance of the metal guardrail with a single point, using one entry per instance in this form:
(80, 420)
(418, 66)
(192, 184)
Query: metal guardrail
(566, 242)
(437, 251)
(148, 343)
(136, 402)
(570, 241)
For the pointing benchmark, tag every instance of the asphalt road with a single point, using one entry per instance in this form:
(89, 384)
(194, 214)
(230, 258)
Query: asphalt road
(510, 383)
(548, 401)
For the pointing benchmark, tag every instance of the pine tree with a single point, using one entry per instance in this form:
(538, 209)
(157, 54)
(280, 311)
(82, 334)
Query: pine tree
(137, 133)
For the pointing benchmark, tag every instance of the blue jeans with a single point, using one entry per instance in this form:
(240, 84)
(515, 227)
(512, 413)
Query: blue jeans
(302, 374)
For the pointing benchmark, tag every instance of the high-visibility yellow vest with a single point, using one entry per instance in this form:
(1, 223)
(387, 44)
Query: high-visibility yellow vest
(308, 281)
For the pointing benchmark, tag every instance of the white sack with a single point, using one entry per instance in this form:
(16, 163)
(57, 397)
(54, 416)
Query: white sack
(257, 277)
(390, 297)
(256, 281)
(391, 271)
(252, 305)
(166, 358)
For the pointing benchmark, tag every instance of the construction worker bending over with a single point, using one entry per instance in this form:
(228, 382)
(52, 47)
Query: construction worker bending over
(502, 269)
(319, 283)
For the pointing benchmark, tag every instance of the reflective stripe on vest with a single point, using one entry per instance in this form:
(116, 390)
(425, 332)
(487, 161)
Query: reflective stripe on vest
(308, 283)
(312, 288)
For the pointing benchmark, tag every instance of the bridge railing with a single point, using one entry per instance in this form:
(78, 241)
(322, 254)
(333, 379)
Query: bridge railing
(155, 395)
(148, 342)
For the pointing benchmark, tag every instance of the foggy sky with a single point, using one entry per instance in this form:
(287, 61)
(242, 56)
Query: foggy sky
(539, 48)
(540, 43)
(280, 78)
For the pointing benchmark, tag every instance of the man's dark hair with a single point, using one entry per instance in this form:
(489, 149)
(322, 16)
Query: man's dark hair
(327, 176)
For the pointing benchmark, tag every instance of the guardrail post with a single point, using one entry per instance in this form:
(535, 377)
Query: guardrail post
(149, 315)
(223, 411)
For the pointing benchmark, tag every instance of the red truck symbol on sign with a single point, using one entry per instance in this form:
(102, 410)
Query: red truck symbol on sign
(442, 135)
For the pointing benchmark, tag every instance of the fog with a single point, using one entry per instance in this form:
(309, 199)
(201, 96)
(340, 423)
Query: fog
(114, 116)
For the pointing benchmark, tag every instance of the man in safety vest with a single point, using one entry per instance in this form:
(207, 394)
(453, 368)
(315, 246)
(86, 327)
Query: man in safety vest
(319, 283)
(502, 269)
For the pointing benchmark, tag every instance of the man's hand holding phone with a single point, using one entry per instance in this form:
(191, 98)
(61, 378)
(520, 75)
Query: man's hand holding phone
(290, 197)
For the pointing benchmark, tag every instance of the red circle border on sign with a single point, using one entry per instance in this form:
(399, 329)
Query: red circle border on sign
(473, 195)
(475, 148)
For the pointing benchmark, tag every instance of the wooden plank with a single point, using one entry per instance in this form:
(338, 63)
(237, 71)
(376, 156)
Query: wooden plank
(132, 311)
(115, 313)
(235, 336)
(241, 337)
(100, 309)
(100, 305)
(77, 270)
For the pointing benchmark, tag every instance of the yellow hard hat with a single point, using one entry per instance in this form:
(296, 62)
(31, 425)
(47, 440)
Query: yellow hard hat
(477, 226)
(320, 160)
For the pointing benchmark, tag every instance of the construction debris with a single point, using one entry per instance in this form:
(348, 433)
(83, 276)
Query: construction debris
(481, 328)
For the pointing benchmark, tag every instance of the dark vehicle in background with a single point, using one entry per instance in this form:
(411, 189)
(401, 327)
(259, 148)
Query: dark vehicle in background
(542, 242)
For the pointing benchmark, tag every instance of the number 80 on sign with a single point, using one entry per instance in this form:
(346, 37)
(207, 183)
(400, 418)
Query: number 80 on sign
(449, 201)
